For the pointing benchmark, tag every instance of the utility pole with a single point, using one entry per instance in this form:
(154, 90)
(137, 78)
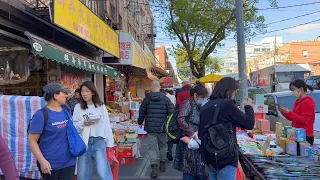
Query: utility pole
(275, 49)
(241, 54)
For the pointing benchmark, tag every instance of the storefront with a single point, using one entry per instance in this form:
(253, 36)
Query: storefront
(135, 65)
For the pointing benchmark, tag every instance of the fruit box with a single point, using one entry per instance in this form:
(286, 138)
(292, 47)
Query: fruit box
(127, 161)
(127, 150)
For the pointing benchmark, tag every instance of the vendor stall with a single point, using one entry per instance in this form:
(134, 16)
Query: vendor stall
(274, 155)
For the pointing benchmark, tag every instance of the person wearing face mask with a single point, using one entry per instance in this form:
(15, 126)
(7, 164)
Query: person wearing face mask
(188, 160)
(303, 112)
(230, 116)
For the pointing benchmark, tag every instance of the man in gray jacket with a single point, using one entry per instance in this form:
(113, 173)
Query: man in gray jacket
(154, 112)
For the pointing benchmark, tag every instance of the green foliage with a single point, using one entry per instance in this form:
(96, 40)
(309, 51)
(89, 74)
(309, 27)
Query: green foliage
(201, 25)
(212, 65)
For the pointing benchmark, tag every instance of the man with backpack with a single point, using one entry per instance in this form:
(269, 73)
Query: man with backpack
(154, 112)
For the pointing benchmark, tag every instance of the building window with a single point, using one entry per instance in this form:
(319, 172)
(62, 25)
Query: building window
(305, 54)
(288, 55)
(120, 22)
(256, 49)
(129, 28)
(113, 12)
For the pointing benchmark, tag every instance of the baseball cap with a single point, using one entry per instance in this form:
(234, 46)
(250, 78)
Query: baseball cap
(53, 88)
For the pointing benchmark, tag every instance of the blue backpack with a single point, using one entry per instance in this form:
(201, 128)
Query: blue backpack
(76, 145)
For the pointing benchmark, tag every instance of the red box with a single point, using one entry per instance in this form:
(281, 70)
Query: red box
(127, 161)
(259, 116)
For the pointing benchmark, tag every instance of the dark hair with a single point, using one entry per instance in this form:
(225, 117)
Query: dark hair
(224, 88)
(49, 96)
(95, 96)
(299, 83)
(77, 90)
(169, 91)
(198, 89)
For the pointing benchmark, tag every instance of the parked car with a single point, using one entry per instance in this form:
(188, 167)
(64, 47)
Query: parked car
(286, 99)
(313, 81)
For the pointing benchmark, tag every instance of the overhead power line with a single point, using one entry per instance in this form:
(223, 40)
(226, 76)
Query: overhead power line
(293, 18)
(227, 9)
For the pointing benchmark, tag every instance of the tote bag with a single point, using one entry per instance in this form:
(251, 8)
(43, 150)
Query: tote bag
(76, 145)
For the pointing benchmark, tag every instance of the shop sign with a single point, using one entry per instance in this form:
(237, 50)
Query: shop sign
(72, 59)
(76, 18)
(131, 53)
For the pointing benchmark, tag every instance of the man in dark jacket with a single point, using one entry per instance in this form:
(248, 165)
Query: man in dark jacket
(154, 112)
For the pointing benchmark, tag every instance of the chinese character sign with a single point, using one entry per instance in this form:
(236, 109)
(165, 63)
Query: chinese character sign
(126, 49)
(76, 18)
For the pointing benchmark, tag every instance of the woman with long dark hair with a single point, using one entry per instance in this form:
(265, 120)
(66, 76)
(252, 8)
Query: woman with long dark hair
(303, 112)
(230, 117)
(48, 139)
(188, 160)
(92, 121)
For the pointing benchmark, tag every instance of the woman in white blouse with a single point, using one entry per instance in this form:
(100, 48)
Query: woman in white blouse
(91, 119)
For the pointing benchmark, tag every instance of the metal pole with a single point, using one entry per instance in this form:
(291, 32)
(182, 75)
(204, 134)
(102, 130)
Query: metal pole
(241, 54)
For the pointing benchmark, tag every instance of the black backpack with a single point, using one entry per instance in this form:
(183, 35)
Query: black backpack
(45, 116)
(172, 127)
(218, 142)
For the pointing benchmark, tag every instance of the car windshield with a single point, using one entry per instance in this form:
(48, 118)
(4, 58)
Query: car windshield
(288, 101)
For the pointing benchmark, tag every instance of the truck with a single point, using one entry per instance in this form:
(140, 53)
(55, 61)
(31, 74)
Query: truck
(277, 78)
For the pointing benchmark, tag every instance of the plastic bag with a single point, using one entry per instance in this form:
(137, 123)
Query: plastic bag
(114, 163)
(239, 173)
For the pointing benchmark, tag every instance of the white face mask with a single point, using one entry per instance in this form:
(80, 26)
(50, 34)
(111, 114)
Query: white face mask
(296, 93)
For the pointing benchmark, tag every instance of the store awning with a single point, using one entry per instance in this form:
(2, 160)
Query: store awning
(45, 49)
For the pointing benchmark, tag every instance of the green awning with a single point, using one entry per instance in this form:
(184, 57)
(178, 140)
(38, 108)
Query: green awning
(51, 51)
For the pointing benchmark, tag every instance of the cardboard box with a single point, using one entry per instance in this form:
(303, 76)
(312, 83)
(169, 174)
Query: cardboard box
(260, 109)
(301, 135)
(287, 130)
(265, 126)
(258, 123)
(126, 161)
(259, 99)
(283, 142)
(258, 116)
(127, 150)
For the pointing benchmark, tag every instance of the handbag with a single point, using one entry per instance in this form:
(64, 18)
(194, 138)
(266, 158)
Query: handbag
(76, 145)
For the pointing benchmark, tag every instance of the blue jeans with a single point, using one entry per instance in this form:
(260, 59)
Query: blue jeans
(191, 177)
(96, 151)
(227, 173)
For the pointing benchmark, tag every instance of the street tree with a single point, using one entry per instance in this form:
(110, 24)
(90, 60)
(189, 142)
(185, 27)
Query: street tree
(183, 66)
(204, 24)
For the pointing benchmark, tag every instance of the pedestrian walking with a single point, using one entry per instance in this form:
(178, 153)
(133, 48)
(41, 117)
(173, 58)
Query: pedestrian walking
(187, 160)
(169, 94)
(183, 93)
(74, 99)
(48, 135)
(92, 121)
(154, 112)
(7, 165)
(218, 121)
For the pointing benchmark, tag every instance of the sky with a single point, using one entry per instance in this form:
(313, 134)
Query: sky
(305, 32)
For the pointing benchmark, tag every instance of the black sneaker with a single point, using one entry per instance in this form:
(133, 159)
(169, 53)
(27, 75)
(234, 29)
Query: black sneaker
(154, 172)
(169, 156)
(163, 167)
